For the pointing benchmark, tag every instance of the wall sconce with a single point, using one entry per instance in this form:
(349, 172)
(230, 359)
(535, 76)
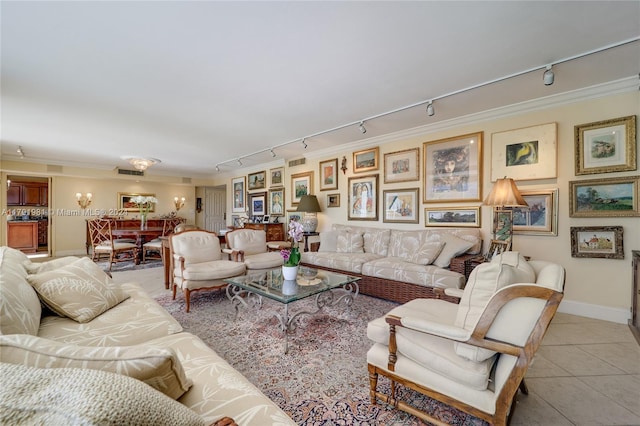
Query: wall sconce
(84, 200)
(179, 202)
(8, 183)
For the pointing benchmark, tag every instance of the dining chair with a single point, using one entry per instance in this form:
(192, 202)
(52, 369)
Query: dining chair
(103, 243)
(153, 249)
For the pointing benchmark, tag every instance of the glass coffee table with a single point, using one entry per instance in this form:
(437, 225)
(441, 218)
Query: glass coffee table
(329, 289)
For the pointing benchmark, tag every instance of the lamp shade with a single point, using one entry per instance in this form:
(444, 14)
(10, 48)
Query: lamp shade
(505, 194)
(309, 204)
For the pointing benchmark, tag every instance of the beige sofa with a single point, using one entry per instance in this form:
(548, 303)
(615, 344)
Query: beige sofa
(394, 264)
(43, 353)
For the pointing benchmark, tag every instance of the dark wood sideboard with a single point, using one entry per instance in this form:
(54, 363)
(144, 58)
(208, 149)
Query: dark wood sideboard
(275, 231)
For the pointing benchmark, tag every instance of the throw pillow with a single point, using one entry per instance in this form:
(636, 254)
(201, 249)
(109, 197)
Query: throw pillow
(80, 396)
(80, 290)
(156, 366)
(427, 253)
(51, 265)
(329, 242)
(350, 242)
(453, 247)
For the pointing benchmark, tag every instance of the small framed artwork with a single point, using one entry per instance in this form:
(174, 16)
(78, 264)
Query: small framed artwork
(363, 198)
(276, 177)
(400, 206)
(497, 247)
(301, 184)
(366, 160)
(402, 166)
(541, 215)
(257, 180)
(333, 200)
(525, 154)
(329, 175)
(276, 202)
(266, 218)
(468, 217)
(239, 194)
(612, 197)
(502, 224)
(258, 204)
(294, 215)
(597, 241)
(453, 169)
(126, 202)
(606, 146)
(235, 221)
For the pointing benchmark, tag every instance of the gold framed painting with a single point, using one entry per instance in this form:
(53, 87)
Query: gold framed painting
(257, 180)
(468, 217)
(597, 241)
(276, 202)
(366, 160)
(333, 200)
(606, 146)
(400, 206)
(301, 184)
(328, 174)
(402, 166)
(276, 177)
(126, 203)
(612, 197)
(540, 217)
(239, 187)
(363, 198)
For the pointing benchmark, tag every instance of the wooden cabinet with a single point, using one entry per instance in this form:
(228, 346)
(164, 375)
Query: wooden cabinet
(43, 228)
(34, 194)
(23, 235)
(14, 194)
(275, 231)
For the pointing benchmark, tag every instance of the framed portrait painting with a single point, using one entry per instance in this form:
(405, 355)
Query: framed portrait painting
(525, 154)
(258, 204)
(366, 160)
(329, 175)
(597, 241)
(540, 217)
(276, 202)
(400, 206)
(238, 186)
(257, 180)
(363, 198)
(301, 184)
(453, 169)
(612, 197)
(276, 177)
(606, 146)
(402, 166)
(468, 217)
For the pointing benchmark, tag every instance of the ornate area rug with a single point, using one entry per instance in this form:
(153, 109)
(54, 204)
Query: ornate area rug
(323, 379)
(130, 266)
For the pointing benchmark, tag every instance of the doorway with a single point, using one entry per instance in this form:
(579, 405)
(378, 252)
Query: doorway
(215, 208)
(28, 223)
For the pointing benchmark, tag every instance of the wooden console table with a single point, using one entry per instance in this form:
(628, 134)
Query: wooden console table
(275, 231)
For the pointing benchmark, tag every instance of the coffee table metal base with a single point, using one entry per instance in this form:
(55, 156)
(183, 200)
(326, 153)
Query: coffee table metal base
(242, 297)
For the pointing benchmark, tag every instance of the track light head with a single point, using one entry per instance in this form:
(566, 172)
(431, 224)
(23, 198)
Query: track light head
(20, 151)
(273, 154)
(362, 128)
(548, 77)
(430, 110)
(239, 162)
(304, 143)
(217, 168)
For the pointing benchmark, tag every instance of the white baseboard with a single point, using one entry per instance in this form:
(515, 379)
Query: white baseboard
(619, 315)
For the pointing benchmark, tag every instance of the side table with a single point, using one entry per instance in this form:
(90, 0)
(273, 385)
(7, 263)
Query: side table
(306, 236)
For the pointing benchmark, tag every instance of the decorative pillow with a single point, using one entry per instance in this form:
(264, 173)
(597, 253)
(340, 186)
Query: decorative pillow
(80, 290)
(350, 242)
(156, 366)
(40, 267)
(427, 253)
(20, 308)
(329, 242)
(79, 396)
(453, 247)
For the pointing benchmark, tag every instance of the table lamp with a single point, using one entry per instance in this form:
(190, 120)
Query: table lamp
(504, 194)
(310, 207)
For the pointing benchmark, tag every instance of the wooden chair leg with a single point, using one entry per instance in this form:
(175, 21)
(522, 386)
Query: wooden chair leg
(187, 296)
(523, 387)
(175, 287)
(373, 384)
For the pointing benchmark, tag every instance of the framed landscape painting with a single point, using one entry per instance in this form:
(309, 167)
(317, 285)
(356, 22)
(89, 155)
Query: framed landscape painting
(239, 194)
(400, 206)
(366, 160)
(453, 169)
(597, 241)
(468, 217)
(606, 146)
(257, 180)
(301, 184)
(126, 202)
(613, 197)
(541, 215)
(329, 175)
(276, 177)
(363, 198)
(402, 166)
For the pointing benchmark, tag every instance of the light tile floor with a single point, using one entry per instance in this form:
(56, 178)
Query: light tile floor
(587, 371)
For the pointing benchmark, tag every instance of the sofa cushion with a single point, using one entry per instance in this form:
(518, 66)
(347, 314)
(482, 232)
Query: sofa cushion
(377, 241)
(350, 242)
(427, 253)
(50, 265)
(196, 246)
(156, 366)
(216, 269)
(453, 247)
(398, 269)
(20, 308)
(328, 242)
(80, 290)
(251, 241)
(272, 259)
(84, 396)
(349, 264)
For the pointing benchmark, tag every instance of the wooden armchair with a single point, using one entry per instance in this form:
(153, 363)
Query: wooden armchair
(472, 356)
(103, 243)
(250, 246)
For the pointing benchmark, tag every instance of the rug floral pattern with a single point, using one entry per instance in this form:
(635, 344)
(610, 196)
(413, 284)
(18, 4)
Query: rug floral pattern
(323, 379)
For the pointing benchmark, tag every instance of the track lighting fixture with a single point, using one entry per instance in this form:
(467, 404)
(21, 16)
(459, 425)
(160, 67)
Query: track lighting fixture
(273, 154)
(430, 111)
(361, 127)
(304, 142)
(239, 162)
(20, 151)
(217, 168)
(548, 77)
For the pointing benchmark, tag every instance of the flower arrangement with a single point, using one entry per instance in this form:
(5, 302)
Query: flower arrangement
(292, 257)
(144, 203)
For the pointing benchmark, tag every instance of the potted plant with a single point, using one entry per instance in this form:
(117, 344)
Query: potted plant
(292, 256)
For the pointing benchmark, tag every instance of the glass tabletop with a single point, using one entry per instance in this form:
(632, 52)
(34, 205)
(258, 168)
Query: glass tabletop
(310, 281)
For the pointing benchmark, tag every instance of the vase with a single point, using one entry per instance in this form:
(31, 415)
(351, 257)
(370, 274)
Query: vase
(143, 222)
(289, 287)
(294, 256)
(289, 272)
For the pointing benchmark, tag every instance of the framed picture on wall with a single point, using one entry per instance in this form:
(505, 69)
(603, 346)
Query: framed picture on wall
(611, 197)
(400, 206)
(257, 180)
(402, 166)
(541, 215)
(597, 241)
(333, 200)
(239, 194)
(363, 198)
(292, 214)
(366, 160)
(301, 184)
(468, 217)
(126, 202)
(276, 177)
(329, 175)
(258, 204)
(453, 169)
(276, 202)
(606, 146)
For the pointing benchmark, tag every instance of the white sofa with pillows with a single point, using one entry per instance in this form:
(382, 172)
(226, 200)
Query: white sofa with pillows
(394, 264)
(76, 348)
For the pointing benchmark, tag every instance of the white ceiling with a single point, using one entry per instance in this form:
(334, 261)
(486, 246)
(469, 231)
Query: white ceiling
(196, 84)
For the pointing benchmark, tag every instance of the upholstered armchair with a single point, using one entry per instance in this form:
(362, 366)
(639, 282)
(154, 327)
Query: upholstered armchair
(472, 355)
(250, 247)
(198, 263)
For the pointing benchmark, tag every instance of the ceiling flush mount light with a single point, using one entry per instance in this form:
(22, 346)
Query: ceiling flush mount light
(143, 163)
(362, 128)
(430, 111)
(548, 77)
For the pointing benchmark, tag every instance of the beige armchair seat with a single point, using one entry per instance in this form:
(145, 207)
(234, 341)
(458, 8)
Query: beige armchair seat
(472, 355)
(199, 264)
(250, 247)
